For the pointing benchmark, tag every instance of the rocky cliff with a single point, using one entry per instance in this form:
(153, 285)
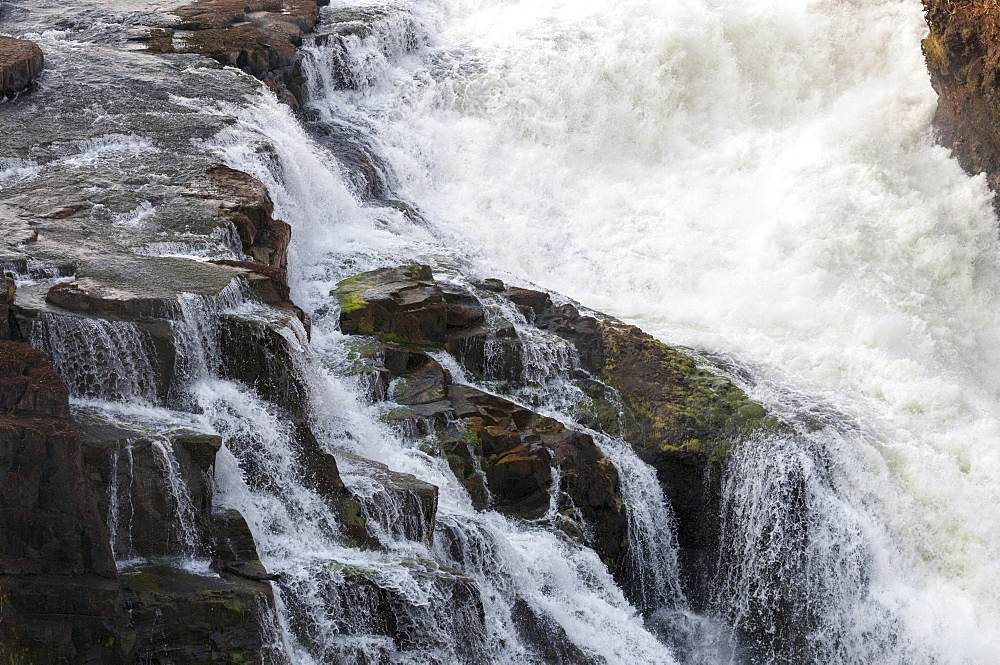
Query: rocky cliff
(963, 57)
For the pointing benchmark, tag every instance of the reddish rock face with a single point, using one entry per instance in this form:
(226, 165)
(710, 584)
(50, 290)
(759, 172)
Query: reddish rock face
(20, 62)
(257, 36)
(963, 57)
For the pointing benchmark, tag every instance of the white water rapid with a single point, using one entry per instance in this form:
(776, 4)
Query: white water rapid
(756, 181)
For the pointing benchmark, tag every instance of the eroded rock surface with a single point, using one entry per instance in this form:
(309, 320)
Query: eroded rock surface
(679, 417)
(20, 62)
(258, 36)
(963, 57)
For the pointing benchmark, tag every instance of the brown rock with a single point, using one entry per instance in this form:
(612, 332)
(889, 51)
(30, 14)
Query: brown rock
(59, 596)
(20, 62)
(963, 56)
(249, 207)
(400, 304)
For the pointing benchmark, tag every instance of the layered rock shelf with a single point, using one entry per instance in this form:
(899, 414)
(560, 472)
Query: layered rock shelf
(680, 418)
(145, 266)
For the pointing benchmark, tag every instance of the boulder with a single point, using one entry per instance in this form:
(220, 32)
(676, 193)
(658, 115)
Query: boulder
(20, 62)
(397, 304)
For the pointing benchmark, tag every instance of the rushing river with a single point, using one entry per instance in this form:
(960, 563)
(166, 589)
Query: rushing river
(757, 181)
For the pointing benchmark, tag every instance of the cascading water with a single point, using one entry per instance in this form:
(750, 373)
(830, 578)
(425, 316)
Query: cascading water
(756, 180)
(97, 358)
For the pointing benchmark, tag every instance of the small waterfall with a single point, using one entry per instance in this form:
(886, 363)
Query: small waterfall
(197, 332)
(188, 541)
(96, 358)
(120, 508)
(804, 568)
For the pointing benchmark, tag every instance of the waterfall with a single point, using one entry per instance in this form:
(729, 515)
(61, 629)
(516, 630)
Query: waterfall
(98, 358)
(754, 180)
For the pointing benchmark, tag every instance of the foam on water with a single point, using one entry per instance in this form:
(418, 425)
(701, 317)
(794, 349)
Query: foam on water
(752, 178)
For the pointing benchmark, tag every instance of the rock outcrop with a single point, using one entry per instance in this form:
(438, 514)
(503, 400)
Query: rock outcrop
(258, 36)
(20, 62)
(60, 601)
(679, 417)
(963, 57)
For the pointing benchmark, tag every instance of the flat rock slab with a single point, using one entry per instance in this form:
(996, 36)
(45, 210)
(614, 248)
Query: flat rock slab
(20, 62)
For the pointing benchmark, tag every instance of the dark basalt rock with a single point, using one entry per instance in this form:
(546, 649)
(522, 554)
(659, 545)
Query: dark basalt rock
(234, 551)
(59, 595)
(130, 476)
(405, 305)
(680, 418)
(20, 62)
(516, 447)
(182, 617)
(401, 505)
(248, 206)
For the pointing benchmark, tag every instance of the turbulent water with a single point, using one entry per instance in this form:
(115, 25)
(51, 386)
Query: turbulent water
(755, 180)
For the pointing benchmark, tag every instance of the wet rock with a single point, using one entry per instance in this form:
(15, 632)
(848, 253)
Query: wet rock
(584, 332)
(679, 417)
(530, 303)
(9, 328)
(183, 617)
(58, 582)
(398, 304)
(398, 504)
(90, 296)
(406, 305)
(449, 622)
(491, 352)
(29, 386)
(421, 381)
(234, 551)
(516, 448)
(154, 492)
(20, 62)
(259, 355)
(246, 203)
(258, 37)
(963, 58)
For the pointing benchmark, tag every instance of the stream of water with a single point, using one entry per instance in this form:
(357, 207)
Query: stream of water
(757, 181)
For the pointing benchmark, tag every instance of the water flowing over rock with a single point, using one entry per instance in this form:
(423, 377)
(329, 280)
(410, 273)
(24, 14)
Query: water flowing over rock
(265, 399)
